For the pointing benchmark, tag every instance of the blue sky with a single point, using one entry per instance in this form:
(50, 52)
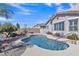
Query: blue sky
(34, 13)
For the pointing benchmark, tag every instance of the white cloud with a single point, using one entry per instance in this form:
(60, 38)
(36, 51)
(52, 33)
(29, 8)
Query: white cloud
(19, 7)
(23, 10)
(59, 7)
(57, 4)
(71, 5)
(74, 5)
(2, 19)
(31, 4)
(48, 4)
(24, 13)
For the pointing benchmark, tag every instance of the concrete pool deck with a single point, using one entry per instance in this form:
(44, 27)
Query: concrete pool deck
(37, 51)
(56, 38)
(73, 50)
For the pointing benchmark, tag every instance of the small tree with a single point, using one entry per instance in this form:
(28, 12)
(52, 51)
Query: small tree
(8, 27)
(18, 26)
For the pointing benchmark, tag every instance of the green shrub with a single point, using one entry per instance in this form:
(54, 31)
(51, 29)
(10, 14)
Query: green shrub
(73, 37)
(57, 34)
(49, 33)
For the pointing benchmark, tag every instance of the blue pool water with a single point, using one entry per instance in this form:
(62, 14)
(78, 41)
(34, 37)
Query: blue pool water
(44, 42)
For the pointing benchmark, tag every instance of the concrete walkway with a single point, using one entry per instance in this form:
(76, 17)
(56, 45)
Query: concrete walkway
(73, 50)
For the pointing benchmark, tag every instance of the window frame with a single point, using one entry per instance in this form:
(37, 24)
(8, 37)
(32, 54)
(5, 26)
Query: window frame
(74, 25)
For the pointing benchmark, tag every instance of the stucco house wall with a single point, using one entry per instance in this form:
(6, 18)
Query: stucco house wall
(63, 16)
(66, 24)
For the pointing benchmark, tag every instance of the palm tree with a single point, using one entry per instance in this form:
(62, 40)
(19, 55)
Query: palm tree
(6, 13)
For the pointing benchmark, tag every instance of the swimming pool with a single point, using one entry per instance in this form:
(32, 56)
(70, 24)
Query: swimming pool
(44, 42)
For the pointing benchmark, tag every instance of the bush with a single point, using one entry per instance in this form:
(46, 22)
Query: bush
(57, 34)
(73, 37)
(8, 27)
(49, 33)
(13, 35)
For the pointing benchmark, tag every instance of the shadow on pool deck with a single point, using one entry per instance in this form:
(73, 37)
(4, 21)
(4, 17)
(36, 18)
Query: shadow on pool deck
(14, 52)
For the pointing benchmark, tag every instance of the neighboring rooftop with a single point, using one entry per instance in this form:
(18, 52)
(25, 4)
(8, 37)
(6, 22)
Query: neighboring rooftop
(42, 24)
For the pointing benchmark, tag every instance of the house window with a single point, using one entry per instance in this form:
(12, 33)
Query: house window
(73, 25)
(54, 26)
(59, 26)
